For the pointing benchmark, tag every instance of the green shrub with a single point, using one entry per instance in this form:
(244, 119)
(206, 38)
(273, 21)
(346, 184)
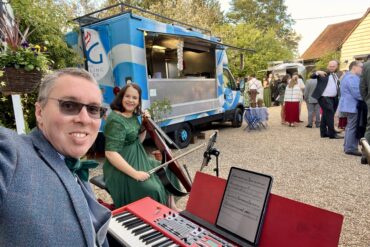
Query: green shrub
(160, 109)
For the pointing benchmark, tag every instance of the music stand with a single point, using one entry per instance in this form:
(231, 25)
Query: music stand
(210, 150)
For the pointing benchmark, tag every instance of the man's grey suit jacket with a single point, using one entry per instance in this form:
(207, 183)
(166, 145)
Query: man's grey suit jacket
(41, 203)
(310, 87)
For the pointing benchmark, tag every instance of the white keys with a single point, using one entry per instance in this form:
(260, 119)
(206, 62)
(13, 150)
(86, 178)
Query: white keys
(123, 235)
(128, 238)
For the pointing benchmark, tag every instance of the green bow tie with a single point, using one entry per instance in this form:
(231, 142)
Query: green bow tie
(80, 167)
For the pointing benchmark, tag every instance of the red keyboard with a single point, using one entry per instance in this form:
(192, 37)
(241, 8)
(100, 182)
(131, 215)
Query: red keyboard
(149, 223)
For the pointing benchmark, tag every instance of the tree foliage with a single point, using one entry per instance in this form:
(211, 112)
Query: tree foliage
(266, 15)
(81, 7)
(139, 3)
(322, 63)
(266, 47)
(203, 14)
(47, 20)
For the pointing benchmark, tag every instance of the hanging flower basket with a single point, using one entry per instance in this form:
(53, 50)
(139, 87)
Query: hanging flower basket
(21, 64)
(18, 81)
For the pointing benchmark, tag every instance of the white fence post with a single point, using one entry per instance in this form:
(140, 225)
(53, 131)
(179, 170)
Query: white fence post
(18, 113)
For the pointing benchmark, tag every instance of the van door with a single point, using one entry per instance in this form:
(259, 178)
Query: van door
(229, 86)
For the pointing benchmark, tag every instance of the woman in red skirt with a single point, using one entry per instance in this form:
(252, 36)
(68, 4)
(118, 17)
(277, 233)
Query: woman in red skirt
(292, 97)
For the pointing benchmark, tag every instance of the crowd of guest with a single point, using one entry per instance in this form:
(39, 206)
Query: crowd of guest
(265, 91)
(327, 94)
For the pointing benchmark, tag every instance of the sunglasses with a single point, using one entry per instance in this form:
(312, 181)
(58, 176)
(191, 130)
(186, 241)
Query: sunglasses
(72, 108)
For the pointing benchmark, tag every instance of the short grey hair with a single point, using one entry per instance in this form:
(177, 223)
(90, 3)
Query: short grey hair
(354, 63)
(48, 81)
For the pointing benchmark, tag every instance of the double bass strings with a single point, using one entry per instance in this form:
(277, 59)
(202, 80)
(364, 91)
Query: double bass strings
(176, 158)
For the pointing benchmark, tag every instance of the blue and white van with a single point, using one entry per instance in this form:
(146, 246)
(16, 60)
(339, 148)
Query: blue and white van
(181, 64)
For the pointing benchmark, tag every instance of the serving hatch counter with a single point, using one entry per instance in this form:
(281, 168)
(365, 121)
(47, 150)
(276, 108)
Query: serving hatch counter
(187, 95)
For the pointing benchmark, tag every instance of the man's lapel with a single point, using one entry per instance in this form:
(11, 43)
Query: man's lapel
(323, 81)
(338, 81)
(51, 158)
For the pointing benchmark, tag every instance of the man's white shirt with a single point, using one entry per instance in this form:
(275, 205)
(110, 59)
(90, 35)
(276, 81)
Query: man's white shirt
(331, 88)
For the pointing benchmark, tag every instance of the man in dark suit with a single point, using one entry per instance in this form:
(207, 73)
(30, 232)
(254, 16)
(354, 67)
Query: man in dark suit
(45, 198)
(365, 94)
(326, 93)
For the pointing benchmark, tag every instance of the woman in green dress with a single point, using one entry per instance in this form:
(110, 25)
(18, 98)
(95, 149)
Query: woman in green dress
(246, 92)
(127, 163)
(267, 90)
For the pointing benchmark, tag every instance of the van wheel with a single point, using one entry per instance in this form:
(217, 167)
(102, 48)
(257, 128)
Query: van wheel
(182, 135)
(238, 118)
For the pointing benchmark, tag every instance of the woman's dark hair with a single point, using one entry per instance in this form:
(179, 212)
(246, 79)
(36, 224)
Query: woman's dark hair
(299, 75)
(285, 79)
(117, 102)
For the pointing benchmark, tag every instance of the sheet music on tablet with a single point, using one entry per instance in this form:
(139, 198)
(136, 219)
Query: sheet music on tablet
(244, 203)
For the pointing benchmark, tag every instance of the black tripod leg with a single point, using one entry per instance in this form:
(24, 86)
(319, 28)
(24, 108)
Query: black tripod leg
(217, 168)
(187, 172)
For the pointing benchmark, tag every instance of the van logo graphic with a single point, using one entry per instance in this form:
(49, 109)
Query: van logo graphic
(90, 49)
(97, 60)
(87, 38)
(89, 58)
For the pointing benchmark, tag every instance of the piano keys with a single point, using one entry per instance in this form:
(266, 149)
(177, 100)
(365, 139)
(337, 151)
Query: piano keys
(148, 223)
(130, 230)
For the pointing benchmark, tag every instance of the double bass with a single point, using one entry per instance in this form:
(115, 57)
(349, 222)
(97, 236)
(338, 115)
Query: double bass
(157, 135)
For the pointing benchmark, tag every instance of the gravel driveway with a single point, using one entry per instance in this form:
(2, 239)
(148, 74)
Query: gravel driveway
(305, 168)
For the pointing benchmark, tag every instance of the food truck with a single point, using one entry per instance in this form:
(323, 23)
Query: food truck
(281, 68)
(174, 61)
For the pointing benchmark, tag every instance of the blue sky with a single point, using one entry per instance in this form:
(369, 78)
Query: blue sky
(310, 29)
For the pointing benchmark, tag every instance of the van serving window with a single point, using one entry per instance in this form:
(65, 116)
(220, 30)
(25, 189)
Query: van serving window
(176, 57)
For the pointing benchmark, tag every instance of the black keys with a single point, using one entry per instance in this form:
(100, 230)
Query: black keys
(121, 214)
(130, 222)
(132, 226)
(167, 244)
(125, 217)
(164, 243)
(156, 234)
(155, 238)
(147, 235)
(141, 230)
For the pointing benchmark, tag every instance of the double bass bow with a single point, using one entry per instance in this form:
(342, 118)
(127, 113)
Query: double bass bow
(155, 133)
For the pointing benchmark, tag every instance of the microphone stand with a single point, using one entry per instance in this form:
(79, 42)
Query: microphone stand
(207, 154)
(187, 172)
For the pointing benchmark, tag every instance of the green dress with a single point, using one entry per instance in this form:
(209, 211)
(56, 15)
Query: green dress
(122, 136)
(246, 94)
(267, 96)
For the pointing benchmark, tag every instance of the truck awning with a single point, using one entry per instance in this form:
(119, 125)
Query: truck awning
(199, 41)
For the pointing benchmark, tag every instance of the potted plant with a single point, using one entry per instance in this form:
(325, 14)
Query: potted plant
(22, 64)
(159, 110)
